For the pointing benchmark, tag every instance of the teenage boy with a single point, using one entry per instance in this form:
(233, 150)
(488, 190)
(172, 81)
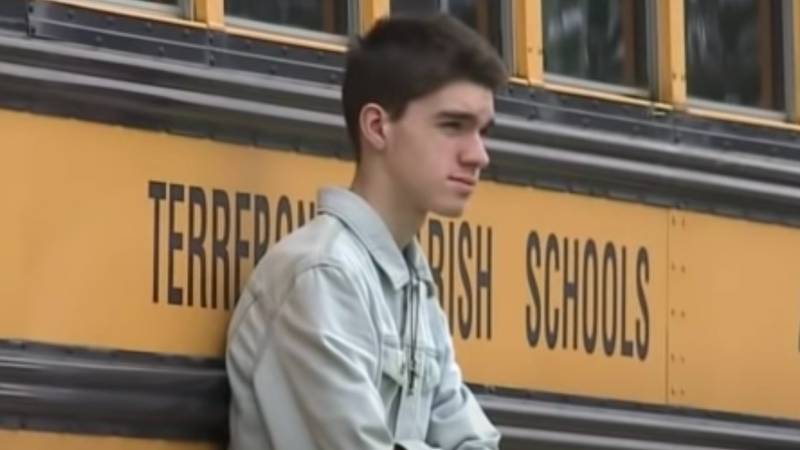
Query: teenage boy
(338, 341)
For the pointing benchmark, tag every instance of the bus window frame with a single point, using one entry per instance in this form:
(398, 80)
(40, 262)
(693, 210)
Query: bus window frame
(182, 9)
(669, 64)
(310, 38)
(651, 52)
(791, 66)
(527, 42)
(507, 35)
(507, 25)
(370, 11)
(181, 14)
(789, 61)
(209, 12)
(138, 8)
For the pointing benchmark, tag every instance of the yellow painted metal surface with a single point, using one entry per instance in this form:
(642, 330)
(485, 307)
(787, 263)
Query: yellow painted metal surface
(734, 316)
(28, 440)
(575, 300)
(137, 240)
(121, 228)
(97, 267)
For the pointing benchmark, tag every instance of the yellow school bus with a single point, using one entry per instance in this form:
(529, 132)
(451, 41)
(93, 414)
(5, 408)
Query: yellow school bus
(627, 276)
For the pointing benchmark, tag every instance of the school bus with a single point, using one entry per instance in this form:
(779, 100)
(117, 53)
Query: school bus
(627, 276)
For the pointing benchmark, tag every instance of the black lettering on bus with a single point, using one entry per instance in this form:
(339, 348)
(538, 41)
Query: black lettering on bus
(198, 210)
(643, 325)
(466, 311)
(226, 234)
(435, 250)
(304, 216)
(551, 263)
(220, 235)
(285, 225)
(593, 302)
(483, 270)
(610, 300)
(261, 227)
(590, 288)
(241, 245)
(175, 244)
(627, 343)
(157, 191)
(460, 256)
(533, 311)
(569, 292)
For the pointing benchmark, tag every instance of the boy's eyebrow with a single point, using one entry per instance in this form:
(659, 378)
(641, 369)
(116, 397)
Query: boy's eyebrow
(457, 115)
(464, 116)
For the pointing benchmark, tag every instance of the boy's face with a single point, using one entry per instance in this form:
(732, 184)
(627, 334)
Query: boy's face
(436, 151)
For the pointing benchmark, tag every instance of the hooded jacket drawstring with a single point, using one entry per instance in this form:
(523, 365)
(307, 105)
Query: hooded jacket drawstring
(411, 318)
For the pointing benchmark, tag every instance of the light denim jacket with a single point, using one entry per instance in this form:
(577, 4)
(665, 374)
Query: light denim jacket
(315, 358)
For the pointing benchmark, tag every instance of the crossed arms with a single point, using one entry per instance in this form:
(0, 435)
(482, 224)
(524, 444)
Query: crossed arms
(323, 363)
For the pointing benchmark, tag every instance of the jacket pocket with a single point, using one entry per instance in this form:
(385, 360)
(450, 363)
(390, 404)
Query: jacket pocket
(394, 364)
(431, 375)
(393, 372)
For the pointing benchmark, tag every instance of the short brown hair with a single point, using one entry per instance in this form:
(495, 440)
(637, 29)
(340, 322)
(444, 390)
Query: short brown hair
(406, 57)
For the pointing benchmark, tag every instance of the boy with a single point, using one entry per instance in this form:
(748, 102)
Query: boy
(339, 342)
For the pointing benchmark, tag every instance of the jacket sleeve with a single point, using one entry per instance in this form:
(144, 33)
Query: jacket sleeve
(320, 362)
(457, 420)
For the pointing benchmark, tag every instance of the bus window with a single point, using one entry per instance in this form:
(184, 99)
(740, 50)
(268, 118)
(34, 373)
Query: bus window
(327, 16)
(485, 16)
(601, 41)
(734, 52)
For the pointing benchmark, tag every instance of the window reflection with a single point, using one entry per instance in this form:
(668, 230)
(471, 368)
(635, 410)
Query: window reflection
(485, 16)
(328, 16)
(415, 6)
(597, 40)
(162, 2)
(734, 52)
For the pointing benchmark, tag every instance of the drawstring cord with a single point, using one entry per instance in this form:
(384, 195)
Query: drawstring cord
(412, 302)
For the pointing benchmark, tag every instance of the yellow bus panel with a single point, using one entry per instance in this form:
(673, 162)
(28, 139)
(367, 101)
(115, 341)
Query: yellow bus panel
(735, 316)
(29, 440)
(15, 244)
(575, 288)
(139, 240)
(110, 240)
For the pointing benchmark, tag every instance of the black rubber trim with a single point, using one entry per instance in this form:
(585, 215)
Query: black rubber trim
(14, 17)
(274, 112)
(91, 391)
(529, 146)
(55, 388)
(213, 48)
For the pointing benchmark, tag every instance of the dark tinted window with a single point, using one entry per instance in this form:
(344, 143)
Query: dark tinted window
(734, 52)
(596, 40)
(329, 16)
(482, 15)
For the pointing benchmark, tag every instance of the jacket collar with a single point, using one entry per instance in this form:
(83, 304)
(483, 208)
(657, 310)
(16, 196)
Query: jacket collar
(370, 229)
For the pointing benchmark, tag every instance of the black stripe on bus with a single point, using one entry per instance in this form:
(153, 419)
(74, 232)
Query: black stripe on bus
(92, 391)
(220, 49)
(108, 87)
(49, 387)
